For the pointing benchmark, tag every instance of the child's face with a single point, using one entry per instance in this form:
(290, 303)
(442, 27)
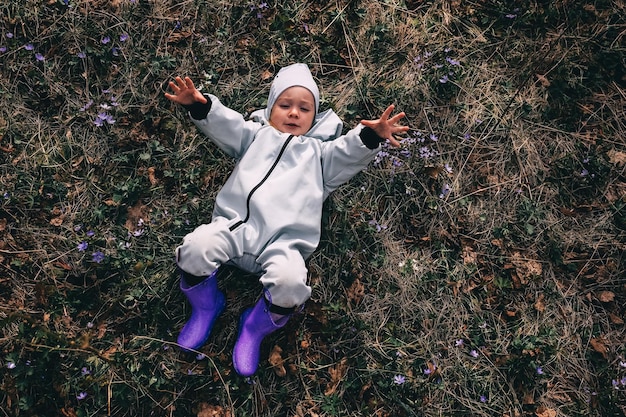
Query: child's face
(294, 111)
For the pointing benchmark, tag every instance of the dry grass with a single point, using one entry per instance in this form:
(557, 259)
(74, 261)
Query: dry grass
(477, 271)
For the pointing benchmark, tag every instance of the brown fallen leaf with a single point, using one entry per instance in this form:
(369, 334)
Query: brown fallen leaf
(599, 346)
(617, 157)
(337, 373)
(606, 296)
(545, 412)
(206, 410)
(540, 306)
(277, 362)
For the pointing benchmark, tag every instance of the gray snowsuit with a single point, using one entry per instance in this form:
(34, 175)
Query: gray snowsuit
(267, 216)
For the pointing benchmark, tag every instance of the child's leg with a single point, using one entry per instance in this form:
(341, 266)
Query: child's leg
(207, 247)
(285, 289)
(285, 275)
(198, 257)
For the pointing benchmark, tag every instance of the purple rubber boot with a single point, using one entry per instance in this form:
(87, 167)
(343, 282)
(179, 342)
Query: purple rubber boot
(256, 323)
(207, 302)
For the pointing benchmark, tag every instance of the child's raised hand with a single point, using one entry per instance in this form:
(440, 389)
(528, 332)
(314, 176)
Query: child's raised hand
(185, 93)
(385, 127)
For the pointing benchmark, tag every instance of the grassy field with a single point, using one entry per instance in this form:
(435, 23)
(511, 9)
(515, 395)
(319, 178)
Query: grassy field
(479, 270)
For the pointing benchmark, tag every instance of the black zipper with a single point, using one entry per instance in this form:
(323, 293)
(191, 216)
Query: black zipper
(256, 187)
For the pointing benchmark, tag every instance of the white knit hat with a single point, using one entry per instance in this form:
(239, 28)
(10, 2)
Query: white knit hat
(292, 76)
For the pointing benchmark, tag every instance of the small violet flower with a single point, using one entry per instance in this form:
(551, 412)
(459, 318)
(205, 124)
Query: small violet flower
(459, 343)
(483, 399)
(39, 57)
(3, 49)
(85, 371)
(474, 353)
(11, 365)
(123, 37)
(81, 396)
(29, 47)
(539, 370)
(399, 379)
(82, 246)
(445, 190)
(97, 257)
(105, 40)
(81, 55)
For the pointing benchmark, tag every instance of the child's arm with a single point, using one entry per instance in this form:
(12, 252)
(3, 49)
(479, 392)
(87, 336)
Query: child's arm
(347, 155)
(225, 127)
(385, 127)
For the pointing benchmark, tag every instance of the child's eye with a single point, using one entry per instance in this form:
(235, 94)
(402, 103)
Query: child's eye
(305, 109)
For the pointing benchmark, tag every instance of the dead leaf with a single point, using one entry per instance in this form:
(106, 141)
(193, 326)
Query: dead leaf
(617, 157)
(137, 214)
(356, 292)
(68, 412)
(545, 412)
(543, 80)
(57, 221)
(615, 319)
(433, 172)
(540, 306)
(207, 410)
(599, 346)
(102, 329)
(109, 352)
(528, 399)
(337, 373)
(606, 296)
(152, 177)
(277, 362)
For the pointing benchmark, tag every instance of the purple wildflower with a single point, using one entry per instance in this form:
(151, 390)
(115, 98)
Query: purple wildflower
(85, 371)
(444, 79)
(29, 47)
(82, 246)
(39, 57)
(11, 365)
(483, 399)
(539, 370)
(97, 257)
(474, 353)
(445, 190)
(81, 396)
(81, 55)
(105, 40)
(9, 35)
(399, 379)
(123, 37)
(3, 49)
(452, 61)
(459, 343)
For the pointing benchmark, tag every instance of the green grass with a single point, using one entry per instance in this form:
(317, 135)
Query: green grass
(478, 270)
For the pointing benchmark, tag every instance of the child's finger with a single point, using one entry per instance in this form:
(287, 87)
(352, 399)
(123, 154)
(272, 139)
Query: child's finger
(387, 112)
(393, 142)
(397, 117)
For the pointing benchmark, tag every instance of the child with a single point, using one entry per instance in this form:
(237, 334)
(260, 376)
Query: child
(267, 216)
